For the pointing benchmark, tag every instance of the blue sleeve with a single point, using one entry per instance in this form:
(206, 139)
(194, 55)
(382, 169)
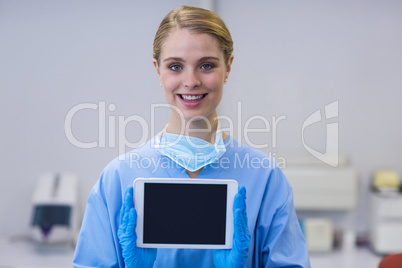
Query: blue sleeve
(278, 230)
(286, 244)
(95, 246)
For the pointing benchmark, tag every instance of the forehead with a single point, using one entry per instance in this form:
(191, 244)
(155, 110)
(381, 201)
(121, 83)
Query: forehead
(184, 44)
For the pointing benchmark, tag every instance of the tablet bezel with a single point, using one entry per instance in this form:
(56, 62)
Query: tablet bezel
(138, 185)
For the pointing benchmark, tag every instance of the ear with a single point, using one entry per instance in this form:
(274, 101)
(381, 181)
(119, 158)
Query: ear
(229, 67)
(155, 62)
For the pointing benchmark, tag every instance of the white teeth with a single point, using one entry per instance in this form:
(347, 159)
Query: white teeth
(192, 97)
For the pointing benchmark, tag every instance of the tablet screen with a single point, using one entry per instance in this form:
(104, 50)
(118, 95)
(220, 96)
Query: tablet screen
(183, 213)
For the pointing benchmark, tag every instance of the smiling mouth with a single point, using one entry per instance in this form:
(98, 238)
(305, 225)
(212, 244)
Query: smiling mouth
(192, 98)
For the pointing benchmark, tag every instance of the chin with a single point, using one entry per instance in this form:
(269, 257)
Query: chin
(197, 117)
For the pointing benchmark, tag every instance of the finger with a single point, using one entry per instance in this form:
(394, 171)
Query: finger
(242, 191)
(240, 198)
(131, 228)
(124, 215)
(240, 218)
(237, 243)
(244, 195)
(132, 224)
(239, 203)
(237, 224)
(122, 212)
(242, 240)
(127, 205)
(242, 235)
(129, 197)
(244, 222)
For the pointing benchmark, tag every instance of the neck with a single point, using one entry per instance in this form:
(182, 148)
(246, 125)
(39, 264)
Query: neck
(204, 128)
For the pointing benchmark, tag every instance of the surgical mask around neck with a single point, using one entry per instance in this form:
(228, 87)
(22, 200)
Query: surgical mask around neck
(189, 152)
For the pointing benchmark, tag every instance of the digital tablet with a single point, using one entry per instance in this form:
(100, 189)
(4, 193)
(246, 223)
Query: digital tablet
(184, 213)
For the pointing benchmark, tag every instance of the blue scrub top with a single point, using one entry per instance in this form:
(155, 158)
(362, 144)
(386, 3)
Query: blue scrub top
(276, 237)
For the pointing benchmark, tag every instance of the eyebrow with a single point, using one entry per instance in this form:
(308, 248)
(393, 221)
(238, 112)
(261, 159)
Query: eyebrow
(181, 60)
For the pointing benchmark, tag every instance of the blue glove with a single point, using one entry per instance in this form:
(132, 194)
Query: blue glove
(236, 257)
(133, 256)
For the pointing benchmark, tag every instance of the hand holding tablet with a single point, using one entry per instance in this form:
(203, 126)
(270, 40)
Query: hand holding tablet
(133, 256)
(237, 256)
(183, 213)
(233, 209)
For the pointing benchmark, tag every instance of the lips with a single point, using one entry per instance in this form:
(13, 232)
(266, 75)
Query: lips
(191, 100)
(192, 97)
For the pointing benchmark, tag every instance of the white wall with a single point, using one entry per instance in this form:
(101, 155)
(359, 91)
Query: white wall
(291, 58)
(298, 56)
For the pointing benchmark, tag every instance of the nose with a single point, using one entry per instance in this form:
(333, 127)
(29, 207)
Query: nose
(191, 79)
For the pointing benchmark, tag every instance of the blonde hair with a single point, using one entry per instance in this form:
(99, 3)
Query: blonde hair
(196, 20)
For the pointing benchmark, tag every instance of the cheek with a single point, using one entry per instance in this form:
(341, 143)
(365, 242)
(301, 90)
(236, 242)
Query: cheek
(169, 82)
(214, 81)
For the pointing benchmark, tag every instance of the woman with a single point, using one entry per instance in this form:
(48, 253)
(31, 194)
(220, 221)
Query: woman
(193, 58)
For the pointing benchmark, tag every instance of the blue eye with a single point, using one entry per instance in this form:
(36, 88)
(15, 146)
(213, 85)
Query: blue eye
(175, 67)
(207, 66)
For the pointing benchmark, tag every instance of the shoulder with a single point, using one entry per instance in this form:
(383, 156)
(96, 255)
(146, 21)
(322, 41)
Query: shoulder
(243, 156)
(120, 172)
(135, 159)
(258, 168)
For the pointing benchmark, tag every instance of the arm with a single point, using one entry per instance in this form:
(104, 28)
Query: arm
(279, 234)
(133, 256)
(236, 257)
(95, 234)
